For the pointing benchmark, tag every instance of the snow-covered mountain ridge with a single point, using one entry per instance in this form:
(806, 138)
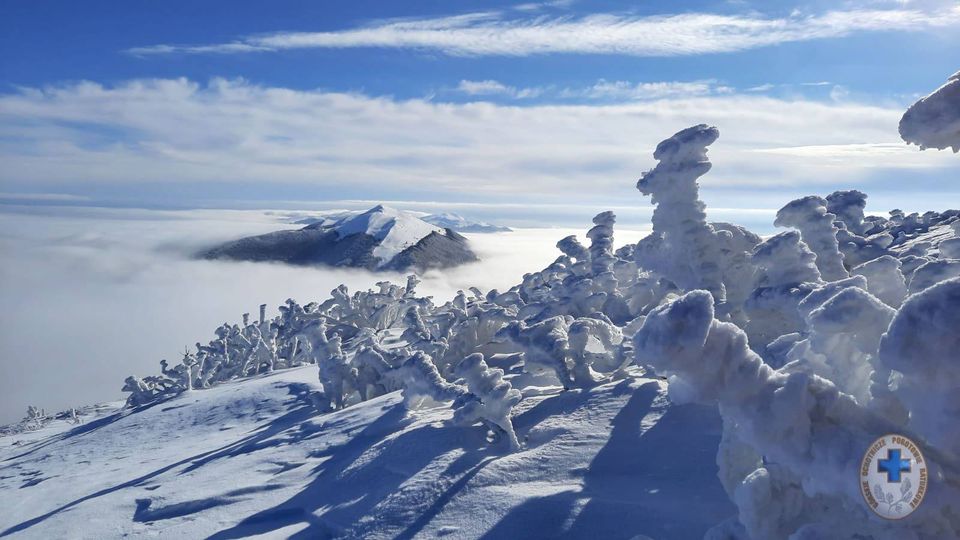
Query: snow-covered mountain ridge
(444, 220)
(382, 238)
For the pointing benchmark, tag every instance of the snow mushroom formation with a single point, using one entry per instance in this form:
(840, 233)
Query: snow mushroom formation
(806, 343)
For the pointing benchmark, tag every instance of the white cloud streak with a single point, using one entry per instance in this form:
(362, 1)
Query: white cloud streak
(496, 34)
(62, 139)
(602, 90)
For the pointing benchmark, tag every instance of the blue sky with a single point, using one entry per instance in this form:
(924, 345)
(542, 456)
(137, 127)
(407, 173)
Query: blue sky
(497, 109)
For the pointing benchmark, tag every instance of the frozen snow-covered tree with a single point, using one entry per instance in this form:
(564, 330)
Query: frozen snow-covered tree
(844, 336)
(783, 259)
(336, 374)
(601, 243)
(785, 273)
(571, 247)
(682, 247)
(848, 207)
(149, 389)
(491, 398)
(593, 346)
(809, 216)
(372, 373)
(421, 381)
(544, 345)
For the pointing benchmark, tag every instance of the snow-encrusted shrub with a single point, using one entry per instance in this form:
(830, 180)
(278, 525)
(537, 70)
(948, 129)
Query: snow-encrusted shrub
(490, 399)
(421, 381)
(844, 336)
(149, 389)
(594, 348)
(338, 377)
(571, 247)
(785, 273)
(848, 206)
(932, 272)
(544, 346)
(601, 243)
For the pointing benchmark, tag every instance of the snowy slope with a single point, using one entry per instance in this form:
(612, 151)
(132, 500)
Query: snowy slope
(254, 457)
(396, 230)
(381, 238)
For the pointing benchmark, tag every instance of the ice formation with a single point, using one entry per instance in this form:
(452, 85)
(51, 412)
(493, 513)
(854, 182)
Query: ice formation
(934, 121)
(809, 216)
(812, 342)
(923, 345)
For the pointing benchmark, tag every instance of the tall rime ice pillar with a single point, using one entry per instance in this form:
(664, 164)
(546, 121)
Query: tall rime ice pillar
(683, 246)
(601, 242)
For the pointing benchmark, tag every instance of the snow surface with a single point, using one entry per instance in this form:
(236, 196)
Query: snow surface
(395, 229)
(254, 458)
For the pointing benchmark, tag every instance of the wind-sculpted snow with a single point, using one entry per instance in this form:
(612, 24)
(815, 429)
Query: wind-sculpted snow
(934, 121)
(811, 343)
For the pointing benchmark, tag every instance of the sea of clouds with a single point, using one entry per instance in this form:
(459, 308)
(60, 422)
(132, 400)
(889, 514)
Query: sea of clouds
(91, 295)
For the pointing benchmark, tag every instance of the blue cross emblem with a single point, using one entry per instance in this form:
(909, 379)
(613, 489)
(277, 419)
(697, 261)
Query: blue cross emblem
(893, 465)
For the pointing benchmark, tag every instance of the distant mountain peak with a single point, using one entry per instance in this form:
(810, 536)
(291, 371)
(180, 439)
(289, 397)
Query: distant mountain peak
(456, 222)
(380, 238)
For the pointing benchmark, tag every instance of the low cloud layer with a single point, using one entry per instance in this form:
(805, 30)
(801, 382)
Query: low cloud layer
(92, 295)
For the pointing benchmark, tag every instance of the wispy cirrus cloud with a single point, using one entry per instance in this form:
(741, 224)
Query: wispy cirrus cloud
(601, 91)
(499, 34)
(497, 88)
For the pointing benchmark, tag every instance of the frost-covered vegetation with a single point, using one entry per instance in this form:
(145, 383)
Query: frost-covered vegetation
(812, 343)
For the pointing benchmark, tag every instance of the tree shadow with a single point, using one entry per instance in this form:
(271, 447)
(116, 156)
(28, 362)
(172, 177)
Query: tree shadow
(340, 495)
(659, 482)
